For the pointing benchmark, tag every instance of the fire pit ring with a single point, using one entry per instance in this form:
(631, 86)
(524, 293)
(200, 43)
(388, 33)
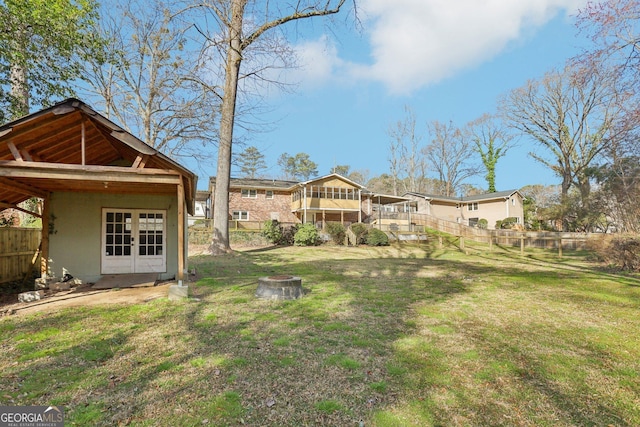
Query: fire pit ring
(280, 287)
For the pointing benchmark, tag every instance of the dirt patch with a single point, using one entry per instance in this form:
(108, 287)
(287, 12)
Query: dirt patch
(83, 296)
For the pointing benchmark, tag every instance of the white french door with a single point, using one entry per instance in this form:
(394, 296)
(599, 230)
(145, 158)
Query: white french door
(133, 241)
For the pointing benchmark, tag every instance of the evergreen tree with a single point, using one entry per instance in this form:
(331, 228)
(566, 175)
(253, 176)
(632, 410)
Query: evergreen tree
(251, 162)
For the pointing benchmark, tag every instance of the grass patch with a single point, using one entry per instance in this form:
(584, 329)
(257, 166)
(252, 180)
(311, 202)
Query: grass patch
(388, 336)
(328, 406)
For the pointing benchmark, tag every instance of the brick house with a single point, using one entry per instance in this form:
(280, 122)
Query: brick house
(331, 198)
(254, 201)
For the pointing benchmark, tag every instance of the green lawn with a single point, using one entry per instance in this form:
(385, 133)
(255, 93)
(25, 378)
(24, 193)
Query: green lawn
(393, 336)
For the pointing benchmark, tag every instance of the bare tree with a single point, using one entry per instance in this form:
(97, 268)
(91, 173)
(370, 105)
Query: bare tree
(395, 156)
(380, 184)
(450, 155)
(233, 27)
(406, 159)
(612, 25)
(613, 28)
(146, 82)
(572, 115)
(492, 143)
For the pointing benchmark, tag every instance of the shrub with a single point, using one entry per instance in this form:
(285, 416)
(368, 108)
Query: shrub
(337, 232)
(483, 224)
(276, 234)
(622, 252)
(377, 237)
(272, 230)
(288, 235)
(360, 230)
(306, 235)
(508, 222)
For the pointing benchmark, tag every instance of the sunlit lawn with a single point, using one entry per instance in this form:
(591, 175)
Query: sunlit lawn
(394, 336)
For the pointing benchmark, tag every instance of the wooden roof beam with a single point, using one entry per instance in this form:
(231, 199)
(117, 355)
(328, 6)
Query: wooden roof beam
(18, 187)
(14, 151)
(15, 169)
(140, 162)
(4, 205)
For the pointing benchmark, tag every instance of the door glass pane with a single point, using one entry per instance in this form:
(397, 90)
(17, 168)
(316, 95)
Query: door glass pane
(150, 234)
(118, 234)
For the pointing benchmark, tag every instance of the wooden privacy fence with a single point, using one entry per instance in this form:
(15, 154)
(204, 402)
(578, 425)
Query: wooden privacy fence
(18, 252)
(523, 239)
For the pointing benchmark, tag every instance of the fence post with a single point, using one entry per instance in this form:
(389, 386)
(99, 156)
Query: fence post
(560, 247)
(522, 245)
(490, 241)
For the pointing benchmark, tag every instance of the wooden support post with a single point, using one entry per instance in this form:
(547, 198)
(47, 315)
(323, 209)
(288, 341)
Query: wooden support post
(181, 233)
(44, 242)
(462, 243)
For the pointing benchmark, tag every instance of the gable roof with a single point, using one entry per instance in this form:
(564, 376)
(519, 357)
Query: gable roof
(332, 175)
(70, 147)
(491, 196)
(280, 184)
(285, 185)
(258, 183)
(475, 198)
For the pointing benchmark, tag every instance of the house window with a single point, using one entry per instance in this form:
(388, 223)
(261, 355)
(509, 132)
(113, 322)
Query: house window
(513, 202)
(240, 215)
(249, 194)
(268, 194)
(473, 206)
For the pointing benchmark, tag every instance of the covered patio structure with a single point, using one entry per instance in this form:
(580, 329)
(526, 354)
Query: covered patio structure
(109, 203)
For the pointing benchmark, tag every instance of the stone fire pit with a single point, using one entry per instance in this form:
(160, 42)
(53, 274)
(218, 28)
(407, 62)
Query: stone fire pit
(281, 287)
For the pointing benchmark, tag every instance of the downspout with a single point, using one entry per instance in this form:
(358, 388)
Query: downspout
(360, 205)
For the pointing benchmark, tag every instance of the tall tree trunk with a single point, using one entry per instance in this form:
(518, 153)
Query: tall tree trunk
(223, 176)
(564, 197)
(19, 84)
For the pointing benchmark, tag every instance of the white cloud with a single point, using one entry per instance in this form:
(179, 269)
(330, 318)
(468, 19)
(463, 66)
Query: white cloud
(415, 43)
(418, 42)
(318, 61)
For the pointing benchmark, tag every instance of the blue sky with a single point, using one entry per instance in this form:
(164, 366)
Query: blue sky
(448, 61)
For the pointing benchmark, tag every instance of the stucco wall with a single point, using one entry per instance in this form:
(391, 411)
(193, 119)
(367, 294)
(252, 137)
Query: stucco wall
(448, 212)
(75, 244)
(498, 210)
